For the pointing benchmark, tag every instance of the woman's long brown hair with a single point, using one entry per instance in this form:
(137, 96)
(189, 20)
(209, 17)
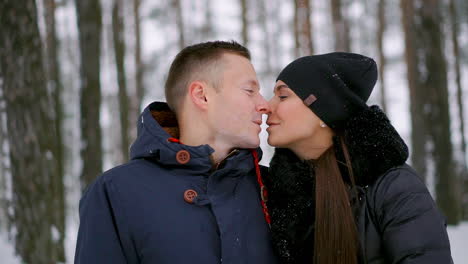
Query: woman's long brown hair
(336, 238)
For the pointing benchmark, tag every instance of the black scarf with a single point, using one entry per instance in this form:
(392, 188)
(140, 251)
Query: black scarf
(374, 146)
(291, 202)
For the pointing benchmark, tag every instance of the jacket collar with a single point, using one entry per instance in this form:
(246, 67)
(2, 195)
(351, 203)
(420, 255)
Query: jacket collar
(374, 146)
(157, 125)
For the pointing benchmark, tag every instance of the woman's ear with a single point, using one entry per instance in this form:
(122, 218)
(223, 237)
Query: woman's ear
(197, 94)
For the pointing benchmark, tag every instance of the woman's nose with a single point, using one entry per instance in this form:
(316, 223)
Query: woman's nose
(271, 105)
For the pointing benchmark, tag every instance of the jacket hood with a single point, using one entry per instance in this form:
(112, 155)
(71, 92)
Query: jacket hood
(374, 145)
(157, 140)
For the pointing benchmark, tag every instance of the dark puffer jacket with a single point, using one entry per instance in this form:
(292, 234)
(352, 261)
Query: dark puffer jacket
(396, 217)
(138, 213)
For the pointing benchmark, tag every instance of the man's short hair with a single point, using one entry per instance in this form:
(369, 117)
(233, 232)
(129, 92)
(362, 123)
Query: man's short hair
(198, 62)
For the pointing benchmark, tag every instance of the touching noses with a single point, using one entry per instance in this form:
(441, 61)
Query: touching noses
(262, 106)
(271, 106)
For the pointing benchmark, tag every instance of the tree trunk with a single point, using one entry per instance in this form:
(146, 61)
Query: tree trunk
(245, 22)
(176, 4)
(140, 90)
(277, 29)
(302, 28)
(55, 87)
(207, 29)
(31, 139)
(417, 94)
(90, 26)
(380, 42)
(340, 27)
(119, 51)
(263, 20)
(439, 116)
(4, 170)
(455, 26)
(456, 54)
(136, 99)
(431, 79)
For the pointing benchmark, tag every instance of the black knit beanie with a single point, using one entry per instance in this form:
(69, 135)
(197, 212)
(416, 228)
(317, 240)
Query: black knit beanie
(335, 86)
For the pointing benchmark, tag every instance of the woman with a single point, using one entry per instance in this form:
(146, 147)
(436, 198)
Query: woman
(339, 190)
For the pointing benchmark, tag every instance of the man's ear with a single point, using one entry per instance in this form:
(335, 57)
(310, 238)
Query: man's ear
(197, 94)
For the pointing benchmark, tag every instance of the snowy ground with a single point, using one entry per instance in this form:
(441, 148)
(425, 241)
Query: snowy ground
(7, 251)
(458, 239)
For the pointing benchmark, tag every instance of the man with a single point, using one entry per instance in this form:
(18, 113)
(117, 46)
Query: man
(193, 198)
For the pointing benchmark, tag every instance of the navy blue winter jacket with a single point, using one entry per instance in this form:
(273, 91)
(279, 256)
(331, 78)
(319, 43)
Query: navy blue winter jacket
(137, 212)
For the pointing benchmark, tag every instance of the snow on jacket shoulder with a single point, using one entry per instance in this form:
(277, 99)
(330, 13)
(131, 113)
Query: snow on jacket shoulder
(139, 212)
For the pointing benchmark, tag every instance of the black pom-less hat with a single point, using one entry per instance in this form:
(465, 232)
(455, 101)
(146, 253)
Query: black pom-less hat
(335, 86)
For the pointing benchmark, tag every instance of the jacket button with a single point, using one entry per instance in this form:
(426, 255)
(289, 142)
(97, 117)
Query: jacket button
(183, 156)
(189, 195)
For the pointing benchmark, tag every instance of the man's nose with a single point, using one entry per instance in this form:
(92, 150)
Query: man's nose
(262, 106)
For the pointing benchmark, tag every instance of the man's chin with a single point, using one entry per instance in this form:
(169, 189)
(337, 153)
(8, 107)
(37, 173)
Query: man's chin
(251, 144)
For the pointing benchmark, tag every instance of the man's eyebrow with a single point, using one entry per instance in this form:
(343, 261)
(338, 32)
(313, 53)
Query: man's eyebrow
(253, 83)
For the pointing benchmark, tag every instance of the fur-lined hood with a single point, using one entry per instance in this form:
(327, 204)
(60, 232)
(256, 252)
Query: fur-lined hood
(374, 145)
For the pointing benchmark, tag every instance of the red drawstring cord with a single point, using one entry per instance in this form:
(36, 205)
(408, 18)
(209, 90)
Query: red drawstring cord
(263, 190)
(174, 140)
